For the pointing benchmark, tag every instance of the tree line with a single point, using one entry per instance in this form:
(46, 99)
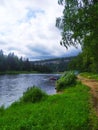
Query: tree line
(11, 62)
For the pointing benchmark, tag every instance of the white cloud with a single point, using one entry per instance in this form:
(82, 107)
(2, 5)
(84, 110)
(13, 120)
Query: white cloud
(27, 27)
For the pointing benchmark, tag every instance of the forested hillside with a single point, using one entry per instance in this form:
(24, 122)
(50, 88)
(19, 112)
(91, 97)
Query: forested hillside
(11, 62)
(55, 64)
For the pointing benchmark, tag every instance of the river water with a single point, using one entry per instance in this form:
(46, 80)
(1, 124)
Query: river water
(13, 86)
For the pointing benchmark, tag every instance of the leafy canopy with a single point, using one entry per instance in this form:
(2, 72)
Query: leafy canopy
(78, 21)
(79, 25)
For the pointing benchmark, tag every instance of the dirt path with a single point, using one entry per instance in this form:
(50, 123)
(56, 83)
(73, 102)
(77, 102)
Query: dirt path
(93, 84)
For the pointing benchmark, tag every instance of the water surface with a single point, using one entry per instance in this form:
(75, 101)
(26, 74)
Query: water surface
(13, 86)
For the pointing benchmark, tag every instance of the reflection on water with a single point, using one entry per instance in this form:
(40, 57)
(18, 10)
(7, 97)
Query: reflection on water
(13, 86)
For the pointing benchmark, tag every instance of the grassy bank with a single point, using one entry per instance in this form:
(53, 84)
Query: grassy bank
(90, 75)
(70, 110)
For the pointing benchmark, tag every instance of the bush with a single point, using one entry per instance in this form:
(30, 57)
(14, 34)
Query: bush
(33, 94)
(68, 78)
(2, 109)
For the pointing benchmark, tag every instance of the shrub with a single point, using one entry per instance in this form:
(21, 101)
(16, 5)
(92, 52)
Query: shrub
(2, 109)
(33, 94)
(68, 78)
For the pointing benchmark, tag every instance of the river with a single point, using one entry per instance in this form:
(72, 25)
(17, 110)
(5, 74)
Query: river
(13, 86)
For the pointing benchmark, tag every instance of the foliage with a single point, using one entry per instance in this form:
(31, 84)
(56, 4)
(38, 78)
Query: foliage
(77, 21)
(68, 78)
(79, 26)
(11, 63)
(80, 63)
(89, 75)
(42, 68)
(67, 111)
(33, 94)
(84, 62)
(2, 110)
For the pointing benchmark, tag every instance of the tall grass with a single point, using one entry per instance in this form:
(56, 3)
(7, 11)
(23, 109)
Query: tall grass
(90, 75)
(67, 111)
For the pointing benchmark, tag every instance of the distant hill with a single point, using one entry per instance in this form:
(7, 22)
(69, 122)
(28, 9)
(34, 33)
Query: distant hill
(53, 60)
(56, 64)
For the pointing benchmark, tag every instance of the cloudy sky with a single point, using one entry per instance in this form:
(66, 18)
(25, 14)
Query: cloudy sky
(27, 28)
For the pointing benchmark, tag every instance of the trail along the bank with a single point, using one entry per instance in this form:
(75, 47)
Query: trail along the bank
(93, 84)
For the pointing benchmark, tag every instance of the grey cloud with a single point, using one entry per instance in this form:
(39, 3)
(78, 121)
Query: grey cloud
(46, 56)
(44, 53)
(2, 2)
(41, 57)
(3, 42)
(13, 49)
(40, 50)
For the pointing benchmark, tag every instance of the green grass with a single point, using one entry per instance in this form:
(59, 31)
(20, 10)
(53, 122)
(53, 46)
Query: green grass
(70, 110)
(90, 75)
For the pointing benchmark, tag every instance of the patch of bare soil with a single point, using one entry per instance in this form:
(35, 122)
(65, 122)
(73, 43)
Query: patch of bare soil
(93, 84)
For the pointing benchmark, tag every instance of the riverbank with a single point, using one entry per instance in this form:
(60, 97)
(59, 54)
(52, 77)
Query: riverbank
(18, 72)
(26, 72)
(91, 80)
(71, 110)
